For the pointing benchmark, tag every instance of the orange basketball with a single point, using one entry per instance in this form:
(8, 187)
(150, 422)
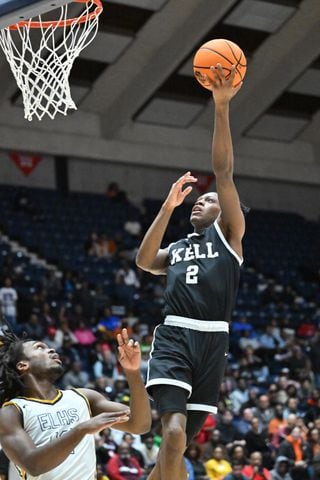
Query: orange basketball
(221, 51)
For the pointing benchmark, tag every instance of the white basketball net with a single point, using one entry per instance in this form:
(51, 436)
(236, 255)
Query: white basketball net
(41, 59)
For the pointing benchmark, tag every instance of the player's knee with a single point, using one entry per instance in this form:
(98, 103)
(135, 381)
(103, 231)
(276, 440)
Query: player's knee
(174, 437)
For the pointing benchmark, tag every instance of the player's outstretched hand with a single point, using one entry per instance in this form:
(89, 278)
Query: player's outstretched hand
(129, 351)
(177, 193)
(105, 420)
(222, 88)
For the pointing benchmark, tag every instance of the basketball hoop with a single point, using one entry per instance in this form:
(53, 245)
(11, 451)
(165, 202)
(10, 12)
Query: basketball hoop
(42, 66)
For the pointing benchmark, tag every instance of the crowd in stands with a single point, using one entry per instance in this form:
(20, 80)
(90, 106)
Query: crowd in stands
(268, 421)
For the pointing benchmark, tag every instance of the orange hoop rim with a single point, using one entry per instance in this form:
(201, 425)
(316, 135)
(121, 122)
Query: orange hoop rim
(62, 23)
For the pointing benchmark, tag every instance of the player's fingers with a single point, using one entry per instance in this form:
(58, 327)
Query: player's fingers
(120, 339)
(215, 74)
(232, 73)
(125, 336)
(190, 179)
(182, 177)
(218, 73)
(187, 191)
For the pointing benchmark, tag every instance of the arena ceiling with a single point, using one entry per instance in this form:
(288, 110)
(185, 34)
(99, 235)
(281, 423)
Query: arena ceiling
(134, 83)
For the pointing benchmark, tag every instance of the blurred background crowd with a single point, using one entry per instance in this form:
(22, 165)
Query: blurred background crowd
(68, 277)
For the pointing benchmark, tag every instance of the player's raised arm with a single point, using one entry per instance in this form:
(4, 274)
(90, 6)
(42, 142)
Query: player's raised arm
(232, 219)
(150, 256)
(139, 420)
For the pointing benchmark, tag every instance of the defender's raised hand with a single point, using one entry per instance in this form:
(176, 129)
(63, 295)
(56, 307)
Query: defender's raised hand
(129, 351)
(177, 193)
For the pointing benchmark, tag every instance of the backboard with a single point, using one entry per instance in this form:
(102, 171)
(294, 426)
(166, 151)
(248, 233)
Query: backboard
(14, 11)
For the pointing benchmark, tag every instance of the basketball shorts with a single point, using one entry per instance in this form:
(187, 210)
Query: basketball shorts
(190, 359)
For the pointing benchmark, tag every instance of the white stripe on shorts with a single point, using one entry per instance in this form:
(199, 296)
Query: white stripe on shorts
(194, 324)
(202, 407)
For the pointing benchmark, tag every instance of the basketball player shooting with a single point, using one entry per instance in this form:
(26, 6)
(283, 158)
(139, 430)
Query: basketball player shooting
(189, 351)
(49, 434)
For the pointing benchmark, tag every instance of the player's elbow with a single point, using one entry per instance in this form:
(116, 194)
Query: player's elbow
(141, 263)
(140, 426)
(34, 470)
(141, 429)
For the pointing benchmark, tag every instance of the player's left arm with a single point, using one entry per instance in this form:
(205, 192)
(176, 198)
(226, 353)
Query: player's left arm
(232, 220)
(140, 412)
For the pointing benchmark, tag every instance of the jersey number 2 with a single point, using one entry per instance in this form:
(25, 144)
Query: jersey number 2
(192, 274)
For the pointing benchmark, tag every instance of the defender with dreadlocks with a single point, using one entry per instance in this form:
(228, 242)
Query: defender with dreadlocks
(48, 433)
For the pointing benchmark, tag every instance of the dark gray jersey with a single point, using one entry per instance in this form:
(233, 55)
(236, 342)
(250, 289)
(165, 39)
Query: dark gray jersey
(202, 277)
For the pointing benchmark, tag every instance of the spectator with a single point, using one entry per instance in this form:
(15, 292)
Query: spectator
(239, 396)
(256, 471)
(124, 466)
(205, 433)
(229, 433)
(64, 334)
(109, 322)
(299, 364)
(46, 316)
(193, 453)
(75, 377)
(135, 452)
(267, 340)
(91, 245)
(114, 194)
(217, 467)
(33, 328)
(238, 454)
(256, 439)
(313, 412)
(105, 446)
(263, 411)
(102, 360)
(189, 468)
(253, 398)
(314, 442)
(149, 450)
(84, 335)
(315, 357)
(214, 440)
(296, 449)
(127, 276)
(243, 425)
(68, 353)
(241, 325)
(248, 339)
(236, 473)
(50, 338)
(292, 406)
(273, 395)
(276, 424)
(108, 246)
(281, 469)
(8, 301)
(284, 431)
